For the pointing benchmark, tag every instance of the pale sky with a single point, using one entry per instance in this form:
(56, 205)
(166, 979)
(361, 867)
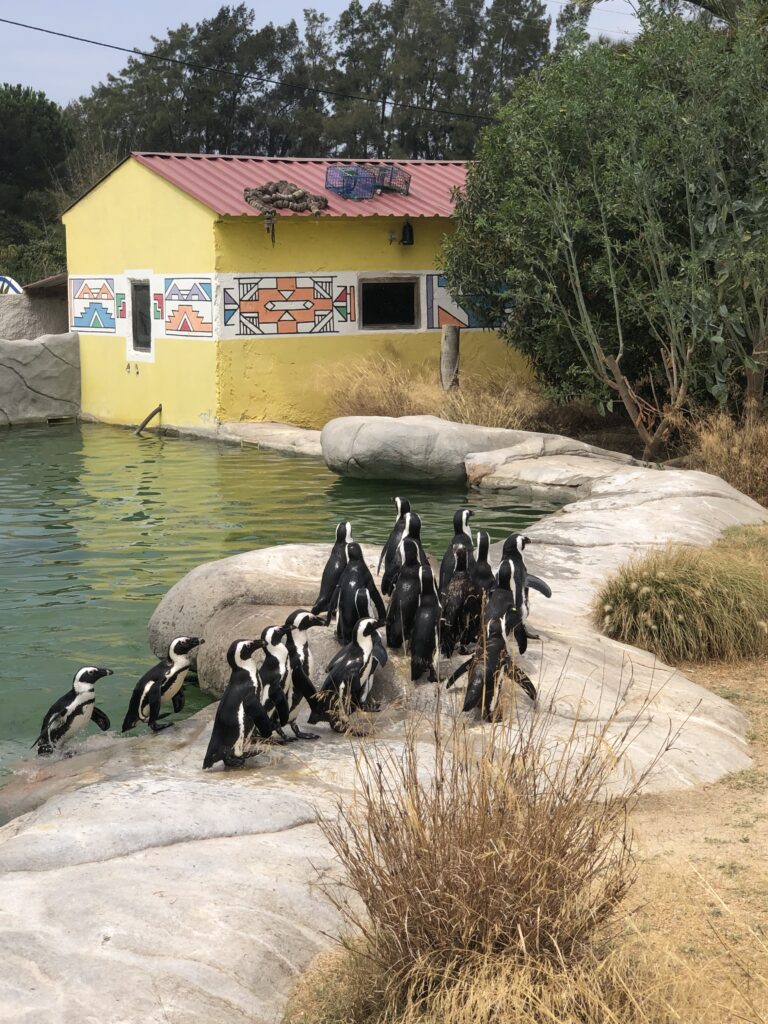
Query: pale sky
(65, 70)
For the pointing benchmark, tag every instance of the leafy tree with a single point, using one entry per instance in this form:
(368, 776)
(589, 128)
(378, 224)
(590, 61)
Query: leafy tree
(614, 224)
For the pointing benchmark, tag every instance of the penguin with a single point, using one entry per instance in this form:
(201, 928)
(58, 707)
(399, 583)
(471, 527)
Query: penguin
(482, 573)
(350, 674)
(411, 529)
(73, 711)
(355, 577)
(272, 679)
(389, 551)
(240, 715)
(333, 568)
(502, 599)
(425, 635)
(461, 605)
(488, 665)
(513, 549)
(462, 537)
(164, 682)
(405, 600)
(299, 685)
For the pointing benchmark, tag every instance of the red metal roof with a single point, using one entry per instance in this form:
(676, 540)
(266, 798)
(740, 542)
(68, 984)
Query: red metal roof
(219, 181)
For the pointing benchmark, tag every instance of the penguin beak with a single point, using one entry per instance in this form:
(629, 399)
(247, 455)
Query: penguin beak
(315, 621)
(106, 672)
(379, 624)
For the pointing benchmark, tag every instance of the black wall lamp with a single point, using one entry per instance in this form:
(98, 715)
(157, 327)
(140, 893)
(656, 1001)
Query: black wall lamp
(406, 238)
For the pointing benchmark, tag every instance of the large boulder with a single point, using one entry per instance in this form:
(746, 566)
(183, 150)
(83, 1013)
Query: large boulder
(40, 379)
(407, 448)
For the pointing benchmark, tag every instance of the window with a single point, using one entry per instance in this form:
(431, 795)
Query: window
(390, 303)
(141, 316)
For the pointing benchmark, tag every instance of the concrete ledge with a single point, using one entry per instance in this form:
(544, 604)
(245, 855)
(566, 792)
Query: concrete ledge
(274, 437)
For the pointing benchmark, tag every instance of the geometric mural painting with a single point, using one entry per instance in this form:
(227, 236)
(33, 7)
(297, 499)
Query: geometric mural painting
(120, 304)
(286, 304)
(188, 307)
(441, 308)
(92, 304)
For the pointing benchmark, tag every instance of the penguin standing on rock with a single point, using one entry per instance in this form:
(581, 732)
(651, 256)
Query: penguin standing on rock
(298, 681)
(462, 538)
(240, 717)
(73, 711)
(405, 600)
(162, 684)
(355, 577)
(411, 530)
(488, 666)
(389, 551)
(425, 636)
(334, 567)
(461, 605)
(348, 684)
(523, 581)
(482, 573)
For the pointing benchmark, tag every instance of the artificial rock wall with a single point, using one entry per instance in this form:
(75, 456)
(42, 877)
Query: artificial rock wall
(39, 379)
(30, 316)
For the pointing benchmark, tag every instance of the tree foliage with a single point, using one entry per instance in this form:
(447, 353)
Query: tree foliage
(615, 225)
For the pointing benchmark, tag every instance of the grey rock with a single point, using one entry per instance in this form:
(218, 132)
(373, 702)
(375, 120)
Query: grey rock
(39, 379)
(408, 448)
(538, 461)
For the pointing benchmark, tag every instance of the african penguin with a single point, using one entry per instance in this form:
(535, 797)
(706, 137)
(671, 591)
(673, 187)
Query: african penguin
(425, 635)
(462, 537)
(333, 568)
(350, 674)
(164, 682)
(298, 684)
(524, 581)
(73, 711)
(412, 530)
(241, 715)
(356, 576)
(405, 599)
(482, 573)
(389, 551)
(461, 605)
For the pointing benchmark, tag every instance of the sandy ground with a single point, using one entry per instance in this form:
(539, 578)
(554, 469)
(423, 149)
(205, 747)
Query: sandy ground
(703, 857)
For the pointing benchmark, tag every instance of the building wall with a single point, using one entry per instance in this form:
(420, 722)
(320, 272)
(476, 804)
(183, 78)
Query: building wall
(241, 328)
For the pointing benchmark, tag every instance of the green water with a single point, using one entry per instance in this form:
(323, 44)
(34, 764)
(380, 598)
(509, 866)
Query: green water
(96, 525)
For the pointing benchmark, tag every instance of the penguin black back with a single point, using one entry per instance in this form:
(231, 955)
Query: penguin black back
(482, 573)
(463, 538)
(405, 600)
(333, 568)
(355, 577)
(389, 550)
(425, 635)
(461, 605)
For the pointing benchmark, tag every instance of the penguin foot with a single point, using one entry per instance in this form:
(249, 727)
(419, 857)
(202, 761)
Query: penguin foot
(371, 706)
(159, 728)
(230, 761)
(307, 736)
(531, 635)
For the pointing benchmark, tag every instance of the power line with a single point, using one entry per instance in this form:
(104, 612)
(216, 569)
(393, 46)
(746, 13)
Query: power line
(241, 76)
(592, 10)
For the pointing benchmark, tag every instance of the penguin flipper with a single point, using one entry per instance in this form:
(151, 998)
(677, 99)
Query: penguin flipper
(536, 583)
(101, 719)
(460, 671)
(379, 651)
(522, 638)
(179, 700)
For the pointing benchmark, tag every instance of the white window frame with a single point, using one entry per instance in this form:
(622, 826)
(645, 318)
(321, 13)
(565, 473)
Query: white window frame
(132, 354)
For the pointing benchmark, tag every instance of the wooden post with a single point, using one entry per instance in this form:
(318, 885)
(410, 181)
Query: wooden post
(449, 357)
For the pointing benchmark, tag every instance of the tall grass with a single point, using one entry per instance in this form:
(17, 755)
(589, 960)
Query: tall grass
(687, 604)
(483, 875)
(736, 452)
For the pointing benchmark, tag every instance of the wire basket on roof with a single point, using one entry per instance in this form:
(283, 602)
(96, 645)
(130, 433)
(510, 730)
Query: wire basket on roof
(393, 179)
(350, 181)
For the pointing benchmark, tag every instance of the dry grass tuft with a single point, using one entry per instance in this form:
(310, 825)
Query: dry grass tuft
(687, 604)
(382, 386)
(736, 452)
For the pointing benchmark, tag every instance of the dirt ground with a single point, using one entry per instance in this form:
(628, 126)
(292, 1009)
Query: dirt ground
(703, 858)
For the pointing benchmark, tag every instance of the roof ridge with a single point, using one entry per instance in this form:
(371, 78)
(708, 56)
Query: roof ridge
(295, 159)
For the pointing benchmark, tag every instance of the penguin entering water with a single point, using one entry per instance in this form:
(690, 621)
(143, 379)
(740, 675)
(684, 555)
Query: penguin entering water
(461, 605)
(73, 711)
(523, 581)
(162, 684)
(425, 636)
(334, 567)
(348, 684)
(411, 530)
(241, 714)
(488, 666)
(405, 600)
(462, 538)
(298, 682)
(355, 577)
(389, 551)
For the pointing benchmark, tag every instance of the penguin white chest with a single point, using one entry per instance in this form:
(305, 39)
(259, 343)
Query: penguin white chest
(175, 685)
(79, 712)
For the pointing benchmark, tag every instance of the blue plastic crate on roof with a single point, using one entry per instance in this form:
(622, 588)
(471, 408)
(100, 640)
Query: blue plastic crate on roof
(351, 181)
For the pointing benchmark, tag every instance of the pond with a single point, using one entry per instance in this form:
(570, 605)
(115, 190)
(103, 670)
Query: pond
(96, 525)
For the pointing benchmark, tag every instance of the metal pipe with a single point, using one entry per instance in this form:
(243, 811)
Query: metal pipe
(146, 420)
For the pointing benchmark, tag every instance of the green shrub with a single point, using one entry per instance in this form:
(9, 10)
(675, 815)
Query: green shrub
(687, 604)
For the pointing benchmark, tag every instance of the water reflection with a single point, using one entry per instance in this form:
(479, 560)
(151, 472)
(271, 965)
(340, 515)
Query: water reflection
(96, 524)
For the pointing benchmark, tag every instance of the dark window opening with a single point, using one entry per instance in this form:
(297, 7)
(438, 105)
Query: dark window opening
(141, 316)
(388, 303)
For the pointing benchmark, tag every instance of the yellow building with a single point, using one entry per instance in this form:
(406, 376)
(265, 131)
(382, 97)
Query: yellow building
(181, 297)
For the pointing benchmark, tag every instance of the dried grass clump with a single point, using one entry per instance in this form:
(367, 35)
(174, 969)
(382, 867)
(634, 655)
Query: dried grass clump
(737, 452)
(382, 386)
(687, 604)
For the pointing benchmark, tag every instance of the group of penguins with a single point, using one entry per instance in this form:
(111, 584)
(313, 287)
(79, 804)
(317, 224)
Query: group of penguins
(469, 605)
